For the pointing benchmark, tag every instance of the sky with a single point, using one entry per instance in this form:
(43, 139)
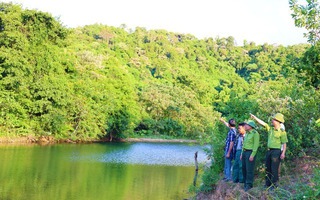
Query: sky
(259, 21)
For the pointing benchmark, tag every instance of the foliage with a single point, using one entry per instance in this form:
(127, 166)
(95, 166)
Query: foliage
(309, 191)
(118, 123)
(307, 16)
(318, 122)
(311, 64)
(210, 178)
(300, 108)
(101, 81)
(215, 153)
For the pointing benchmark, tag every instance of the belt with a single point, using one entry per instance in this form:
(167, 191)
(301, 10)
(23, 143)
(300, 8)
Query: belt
(273, 149)
(247, 149)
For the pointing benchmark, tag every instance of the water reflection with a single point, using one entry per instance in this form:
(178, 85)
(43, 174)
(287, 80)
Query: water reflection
(97, 171)
(149, 154)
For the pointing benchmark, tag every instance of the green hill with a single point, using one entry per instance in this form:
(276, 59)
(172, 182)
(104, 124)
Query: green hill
(99, 81)
(104, 82)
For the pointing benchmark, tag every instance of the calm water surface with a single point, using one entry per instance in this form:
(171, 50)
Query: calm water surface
(115, 171)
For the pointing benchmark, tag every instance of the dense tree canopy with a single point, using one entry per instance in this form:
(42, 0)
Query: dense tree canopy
(102, 81)
(308, 16)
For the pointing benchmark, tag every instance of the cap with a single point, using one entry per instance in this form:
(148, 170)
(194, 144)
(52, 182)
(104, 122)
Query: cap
(251, 123)
(279, 117)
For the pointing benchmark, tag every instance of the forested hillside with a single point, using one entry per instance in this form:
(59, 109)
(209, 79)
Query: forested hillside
(101, 81)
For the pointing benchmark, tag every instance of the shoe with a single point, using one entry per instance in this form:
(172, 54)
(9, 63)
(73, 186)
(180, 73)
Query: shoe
(270, 189)
(247, 188)
(273, 187)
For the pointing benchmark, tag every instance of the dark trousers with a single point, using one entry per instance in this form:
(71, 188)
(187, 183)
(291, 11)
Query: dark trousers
(247, 169)
(272, 166)
(237, 168)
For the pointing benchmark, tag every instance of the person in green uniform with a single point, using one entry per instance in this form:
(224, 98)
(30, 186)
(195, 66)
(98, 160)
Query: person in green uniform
(277, 138)
(248, 155)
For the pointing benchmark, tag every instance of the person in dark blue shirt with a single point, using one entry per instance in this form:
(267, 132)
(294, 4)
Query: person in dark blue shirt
(228, 153)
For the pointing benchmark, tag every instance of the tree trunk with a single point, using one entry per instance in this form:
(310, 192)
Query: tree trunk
(196, 170)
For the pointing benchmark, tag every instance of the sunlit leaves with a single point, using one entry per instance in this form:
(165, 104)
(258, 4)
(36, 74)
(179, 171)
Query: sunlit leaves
(97, 80)
(308, 17)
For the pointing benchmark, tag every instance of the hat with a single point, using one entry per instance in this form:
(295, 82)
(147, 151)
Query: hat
(279, 117)
(251, 123)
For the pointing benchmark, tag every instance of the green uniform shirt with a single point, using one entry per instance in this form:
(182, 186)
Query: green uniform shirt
(251, 141)
(276, 137)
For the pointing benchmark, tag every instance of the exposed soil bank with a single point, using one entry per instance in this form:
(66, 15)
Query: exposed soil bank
(52, 140)
(34, 140)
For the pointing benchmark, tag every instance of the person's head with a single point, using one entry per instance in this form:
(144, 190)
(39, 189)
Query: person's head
(241, 128)
(277, 119)
(232, 123)
(249, 125)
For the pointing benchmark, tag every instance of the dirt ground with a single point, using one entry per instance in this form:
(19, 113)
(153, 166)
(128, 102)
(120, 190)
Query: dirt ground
(299, 171)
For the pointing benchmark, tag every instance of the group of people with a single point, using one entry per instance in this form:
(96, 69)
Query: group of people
(242, 146)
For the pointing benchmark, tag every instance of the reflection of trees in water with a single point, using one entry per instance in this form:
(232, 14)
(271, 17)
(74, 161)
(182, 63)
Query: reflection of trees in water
(48, 173)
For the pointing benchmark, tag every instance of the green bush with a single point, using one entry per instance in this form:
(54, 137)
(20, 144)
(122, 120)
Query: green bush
(118, 123)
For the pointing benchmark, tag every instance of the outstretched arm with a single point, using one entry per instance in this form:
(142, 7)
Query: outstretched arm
(258, 120)
(223, 121)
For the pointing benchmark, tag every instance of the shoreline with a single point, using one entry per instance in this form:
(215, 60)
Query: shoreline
(51, 140)
(158, 140)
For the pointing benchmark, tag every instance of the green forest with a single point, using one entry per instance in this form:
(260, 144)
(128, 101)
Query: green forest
(102, 82)
(99, 81)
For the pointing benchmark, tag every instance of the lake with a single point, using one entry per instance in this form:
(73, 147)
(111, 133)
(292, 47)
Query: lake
(115, 171)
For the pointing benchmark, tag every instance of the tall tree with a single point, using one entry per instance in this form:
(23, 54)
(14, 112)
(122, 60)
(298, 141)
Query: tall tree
(308, 17)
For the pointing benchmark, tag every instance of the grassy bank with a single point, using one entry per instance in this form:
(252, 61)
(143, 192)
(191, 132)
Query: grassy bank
(299, 179)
